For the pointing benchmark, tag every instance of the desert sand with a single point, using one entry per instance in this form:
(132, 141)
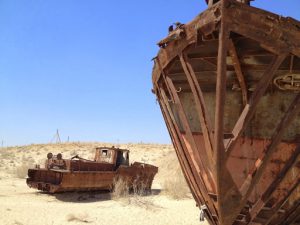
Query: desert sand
(169, 204)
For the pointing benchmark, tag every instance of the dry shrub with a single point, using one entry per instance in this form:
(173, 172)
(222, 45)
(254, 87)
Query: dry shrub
(6, 154)
(80, 217)
(120, 188)
(133, 196)
(139, 189)
(22, 170)
(145, 202)
(175, 186)
(170, 176)
(140, 199)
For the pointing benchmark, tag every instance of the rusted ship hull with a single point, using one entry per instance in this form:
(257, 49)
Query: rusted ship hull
(58, 181)
(79, 174)
(55, 181)
(228, 86)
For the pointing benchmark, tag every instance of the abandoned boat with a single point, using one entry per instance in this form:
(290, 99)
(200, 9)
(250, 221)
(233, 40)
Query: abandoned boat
(78, 174)
(228, 85)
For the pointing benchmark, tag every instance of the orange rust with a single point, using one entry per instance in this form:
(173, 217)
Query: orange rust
(78, 174)
(233, 79)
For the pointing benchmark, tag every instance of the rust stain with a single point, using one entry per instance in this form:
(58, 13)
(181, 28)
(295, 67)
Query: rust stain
(228, 86)
(78, 174)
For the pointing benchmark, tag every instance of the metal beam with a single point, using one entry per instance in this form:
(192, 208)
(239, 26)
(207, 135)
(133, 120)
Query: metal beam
(194, 151)
(260, 165)
(294, 215)
(185, 151)
(211, 2)
(208, 60)
(257, 207)
(186, 167)
(248, 22)
(289, 215)
(200, 105)
(238, 70)
(283, 199)
(249, 109)
(263, 160)
(164, 76)
(219, 150)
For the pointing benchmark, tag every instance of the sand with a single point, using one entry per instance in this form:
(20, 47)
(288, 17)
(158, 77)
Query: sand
(21, 205)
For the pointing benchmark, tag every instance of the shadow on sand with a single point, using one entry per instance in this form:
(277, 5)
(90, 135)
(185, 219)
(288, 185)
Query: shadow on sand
(83, 197)
(92, 196)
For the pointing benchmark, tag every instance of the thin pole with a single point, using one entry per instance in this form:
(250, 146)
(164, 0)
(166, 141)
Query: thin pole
(57, 137)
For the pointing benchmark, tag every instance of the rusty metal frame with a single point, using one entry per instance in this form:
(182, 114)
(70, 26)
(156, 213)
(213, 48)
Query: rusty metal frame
(179, 148)
(238, 71)
(190, 163)
(193, 148)
(283, 200)
(227, 17)
(164, 77)
(219, 148)
(260, 165)
(200, 105)
(257, 207)
(262, 161)
(207, 60)
(249, 109)
(262, 32)
(292, 215)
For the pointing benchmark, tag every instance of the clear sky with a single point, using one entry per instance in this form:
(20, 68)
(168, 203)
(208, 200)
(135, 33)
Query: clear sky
(84, 67)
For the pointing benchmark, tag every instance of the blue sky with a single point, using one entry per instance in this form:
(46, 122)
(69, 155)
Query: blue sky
(84, 67)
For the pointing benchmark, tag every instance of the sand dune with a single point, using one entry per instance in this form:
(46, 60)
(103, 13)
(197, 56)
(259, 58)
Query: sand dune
(21, 205)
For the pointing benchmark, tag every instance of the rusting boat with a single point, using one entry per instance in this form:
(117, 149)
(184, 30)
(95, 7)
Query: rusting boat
(78, 174)
(228, 85)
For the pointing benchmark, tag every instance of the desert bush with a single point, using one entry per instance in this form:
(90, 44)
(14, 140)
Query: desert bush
(120, 188)
(175, 186)
(6, 154)
(141, 197)
(133, 196)
(22, 169)
(144, 202)
(140, 188)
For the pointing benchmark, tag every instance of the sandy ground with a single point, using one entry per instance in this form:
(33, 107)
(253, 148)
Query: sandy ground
(21, 205)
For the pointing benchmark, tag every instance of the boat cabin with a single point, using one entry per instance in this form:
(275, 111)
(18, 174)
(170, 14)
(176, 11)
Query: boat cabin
(112, 155)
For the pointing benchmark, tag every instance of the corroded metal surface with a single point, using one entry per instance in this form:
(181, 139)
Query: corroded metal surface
(228, 87)
(78, 174)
